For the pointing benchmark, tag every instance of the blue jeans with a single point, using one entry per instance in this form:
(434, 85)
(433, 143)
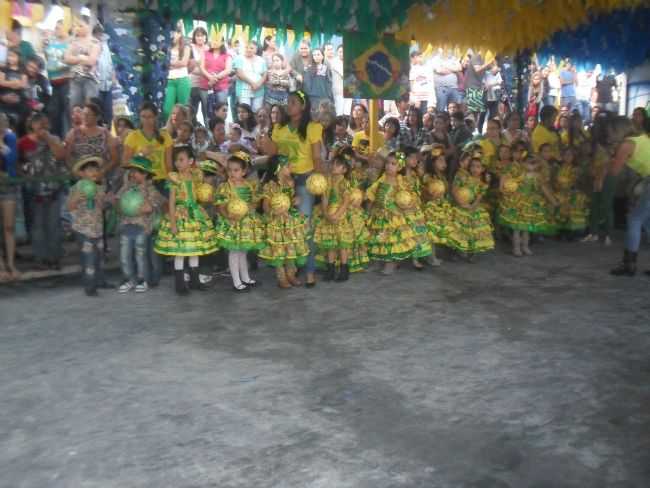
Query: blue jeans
(306, 207)
(154, 261)
(568, 102)
(584, 107)
(444, 96)
(636, 219)
(92, 256)
(133, 247)
(47, 235)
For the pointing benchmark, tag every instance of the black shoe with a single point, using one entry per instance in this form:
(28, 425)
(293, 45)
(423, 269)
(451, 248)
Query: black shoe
(344, 273)
(627, 267)
(330, 274)
(242, 288)
(252, 283)
(91, 292)
(179, 280)
(195, 282)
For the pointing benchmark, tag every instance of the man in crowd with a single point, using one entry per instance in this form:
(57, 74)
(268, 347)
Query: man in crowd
(301, 61)
(421, 79)
(445, 68)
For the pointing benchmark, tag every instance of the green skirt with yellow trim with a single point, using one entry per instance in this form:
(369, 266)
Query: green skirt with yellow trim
(438, 214)
(391, 237)
(572, 213)
(528, 212)
(285, 238)
(415, 218)
(246, 234)
(194, 236)
(472, 231)
(332, 236)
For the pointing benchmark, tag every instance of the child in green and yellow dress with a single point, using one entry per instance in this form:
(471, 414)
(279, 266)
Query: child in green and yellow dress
(239, 228)
(437, 209)
(286, 229)
(571, 215)
(187, 230)
(333, 231)
(391, 237)
(472, 229)
(526, 203)
(414, 214)
(359, 180)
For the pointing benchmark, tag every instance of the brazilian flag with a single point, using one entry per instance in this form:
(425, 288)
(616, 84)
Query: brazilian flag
(374, 67)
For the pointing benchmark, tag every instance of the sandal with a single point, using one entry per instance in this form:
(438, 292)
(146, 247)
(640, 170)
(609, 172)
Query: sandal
(241, 288)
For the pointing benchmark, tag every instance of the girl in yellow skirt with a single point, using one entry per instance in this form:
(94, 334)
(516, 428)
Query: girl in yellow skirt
(358, 177)
(472, 229)
(239, 228)
(187, 230)
(414, 214)
(285, 228)
(526, 204)
(391, 237)
(571, 214)
(333, 232)
(437, 209)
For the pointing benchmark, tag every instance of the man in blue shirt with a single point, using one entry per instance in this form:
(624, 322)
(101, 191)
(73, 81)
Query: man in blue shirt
(568, 82)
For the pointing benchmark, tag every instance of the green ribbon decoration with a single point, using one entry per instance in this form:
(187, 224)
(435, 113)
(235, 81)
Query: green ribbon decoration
(193, 208)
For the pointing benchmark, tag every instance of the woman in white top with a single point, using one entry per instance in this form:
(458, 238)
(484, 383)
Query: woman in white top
(178, 79)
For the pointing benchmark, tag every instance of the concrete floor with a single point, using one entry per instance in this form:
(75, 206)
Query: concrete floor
(506, 373)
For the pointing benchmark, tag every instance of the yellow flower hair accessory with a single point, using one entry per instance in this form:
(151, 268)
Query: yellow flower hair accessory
(401, 159)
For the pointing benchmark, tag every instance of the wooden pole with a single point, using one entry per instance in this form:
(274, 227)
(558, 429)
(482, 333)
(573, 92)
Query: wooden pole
(374, 125)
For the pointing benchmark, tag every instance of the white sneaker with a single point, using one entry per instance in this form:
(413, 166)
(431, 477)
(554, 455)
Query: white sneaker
(126, 287)
(186, 277)
(141, 287)
(205, 279)
(608, 241)
(590, 238)
(434, 261)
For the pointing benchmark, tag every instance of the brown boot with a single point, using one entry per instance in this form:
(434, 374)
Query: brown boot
(291, 276)
(281, 275)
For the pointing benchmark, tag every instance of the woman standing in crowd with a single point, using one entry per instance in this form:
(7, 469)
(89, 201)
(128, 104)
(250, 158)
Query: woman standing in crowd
(178, 79)
(632, 151)
(152, 143)
(8, 198)
(317, 81)
(277, 82)
(82, 56)
(216, 68)
(300, 140)
(59, 75)
(92, 140)
(198, 94)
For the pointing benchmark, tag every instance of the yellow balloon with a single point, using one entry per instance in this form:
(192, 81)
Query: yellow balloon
(205, 193)
(404, 199)
(356, 197)
(237, 208)
(464, 195)
(317, 184)
(436, 188)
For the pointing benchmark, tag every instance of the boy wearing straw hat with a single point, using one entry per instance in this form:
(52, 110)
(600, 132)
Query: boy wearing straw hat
(139, 203)
(85, 203)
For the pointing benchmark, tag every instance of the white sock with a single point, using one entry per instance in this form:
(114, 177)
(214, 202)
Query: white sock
(194, 261)
(243, 268)
(233, 263)
(179, 262)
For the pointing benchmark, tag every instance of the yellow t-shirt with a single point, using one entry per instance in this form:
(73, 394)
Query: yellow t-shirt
(151, 149)
(541, 136)
(298, 152)
(361, 142)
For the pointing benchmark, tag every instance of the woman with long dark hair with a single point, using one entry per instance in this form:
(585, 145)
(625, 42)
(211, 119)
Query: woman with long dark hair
(358, 114)
(317, 81)
(301, 141)
(215, 80)
(198, 96)
(178, 79)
